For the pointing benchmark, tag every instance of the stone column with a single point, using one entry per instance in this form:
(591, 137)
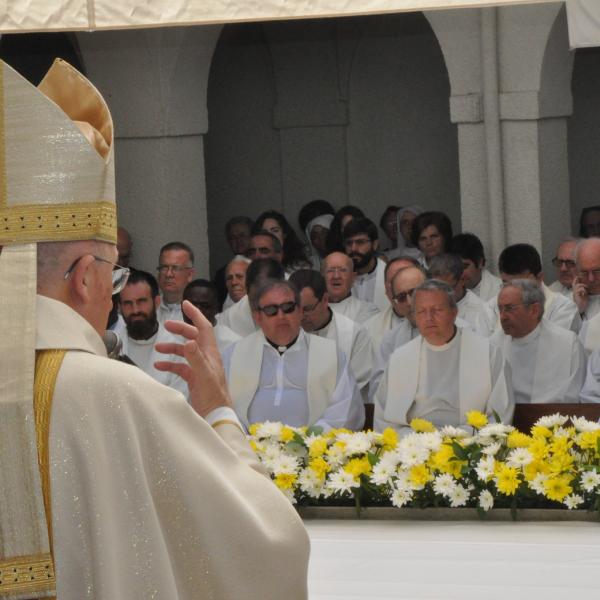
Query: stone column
(155, 83)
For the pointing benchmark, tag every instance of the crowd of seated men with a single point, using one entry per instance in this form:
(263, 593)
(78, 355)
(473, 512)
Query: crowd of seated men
(323, 328)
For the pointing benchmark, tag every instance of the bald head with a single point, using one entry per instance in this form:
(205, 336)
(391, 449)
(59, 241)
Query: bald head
(587, 259)
(391, 269)
(124, 246)
(402, 286)
(338, 270)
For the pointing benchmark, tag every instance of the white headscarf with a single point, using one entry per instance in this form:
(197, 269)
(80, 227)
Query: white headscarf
(325, 222)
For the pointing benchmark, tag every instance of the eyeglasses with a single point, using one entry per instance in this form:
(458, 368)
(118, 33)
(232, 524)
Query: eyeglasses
(175, 268)
(508, 308)
(309, 309)
(559, 262)
(334, 270)
(272, 309)
(403, 296)
(120, 275)
(595, 273)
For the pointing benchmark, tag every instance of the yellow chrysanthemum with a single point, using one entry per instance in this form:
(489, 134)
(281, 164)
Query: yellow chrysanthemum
(253, 445)
(287, 434)
(476, 419)
(560, 445)
(588, 440)
(440, 461)
(390, 438)
(419, 475)
(516, 439)
(557, 488)
(253, 428)
(560, 463)
(539, 431)
(422, 426)
(358, 466)
(317, 448)
(507, 480)
(285, 481)
(534, 468)
(538, 448)
(320, 467)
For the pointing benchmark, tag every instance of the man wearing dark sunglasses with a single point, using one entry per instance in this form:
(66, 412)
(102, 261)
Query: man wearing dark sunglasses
(281, 373)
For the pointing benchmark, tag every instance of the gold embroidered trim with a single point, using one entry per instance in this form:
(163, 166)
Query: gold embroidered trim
(34, 573)
(227, 422)
(58, 222)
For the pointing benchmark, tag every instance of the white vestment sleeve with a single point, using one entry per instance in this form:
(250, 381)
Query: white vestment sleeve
(501, 400)
(572, 387)
(591, 386)
(346, 408)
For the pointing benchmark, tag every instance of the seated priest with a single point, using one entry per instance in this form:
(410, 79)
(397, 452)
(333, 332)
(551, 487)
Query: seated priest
(590, 392)
(203, 294)
(235, 280)
(281, 373)
(565, 266)
(547, 362)
(522, 261)
(586, 291)
(319, 319)
(338, 270)
(239, 316)
(378, 325)
(444, 373)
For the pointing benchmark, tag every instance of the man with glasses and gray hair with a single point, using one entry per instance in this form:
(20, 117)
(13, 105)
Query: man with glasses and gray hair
(281, 373)
(175, 271)
(586, 291)
(443, 373)
(547, 362)
(566, 271)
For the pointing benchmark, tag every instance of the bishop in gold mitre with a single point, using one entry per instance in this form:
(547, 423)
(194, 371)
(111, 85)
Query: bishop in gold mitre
(111, 485)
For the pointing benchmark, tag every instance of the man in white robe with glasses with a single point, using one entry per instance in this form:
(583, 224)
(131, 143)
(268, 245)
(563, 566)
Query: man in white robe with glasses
(111, 485)
(443, 373)
(281, 373)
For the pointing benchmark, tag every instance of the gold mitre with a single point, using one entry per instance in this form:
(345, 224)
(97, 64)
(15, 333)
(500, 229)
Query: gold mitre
(56, 159)
(56, 185)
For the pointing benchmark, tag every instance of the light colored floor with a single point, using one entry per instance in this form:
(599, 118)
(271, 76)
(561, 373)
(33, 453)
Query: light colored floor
(446, 560)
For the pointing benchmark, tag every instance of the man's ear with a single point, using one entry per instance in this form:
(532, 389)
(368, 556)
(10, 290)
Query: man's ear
(80, 279)
(375, 244)
(157, 301)
(191, 274)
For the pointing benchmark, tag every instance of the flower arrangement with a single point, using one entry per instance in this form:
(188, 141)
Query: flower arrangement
(556, 466)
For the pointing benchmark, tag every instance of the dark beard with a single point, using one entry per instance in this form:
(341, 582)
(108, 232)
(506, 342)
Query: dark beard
(363, 259)
(142, 329)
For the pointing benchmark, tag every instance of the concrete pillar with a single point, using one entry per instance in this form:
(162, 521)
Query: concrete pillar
(534, 100)
(155, 83)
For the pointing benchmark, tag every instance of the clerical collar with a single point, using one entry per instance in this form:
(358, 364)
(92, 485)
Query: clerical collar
(282, 349)
(445, 346)
(326, 324)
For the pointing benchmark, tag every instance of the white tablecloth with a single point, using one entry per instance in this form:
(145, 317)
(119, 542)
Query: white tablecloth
(445, 560)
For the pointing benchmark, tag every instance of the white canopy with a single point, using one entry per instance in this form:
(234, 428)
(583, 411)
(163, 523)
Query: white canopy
(583, 17)
(72, 15)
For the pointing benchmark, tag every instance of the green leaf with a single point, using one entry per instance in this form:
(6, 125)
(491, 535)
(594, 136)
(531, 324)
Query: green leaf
(314, 430)
(496, 417)
(459, 451)
(373, 458)
(296, 449)
(298, 438)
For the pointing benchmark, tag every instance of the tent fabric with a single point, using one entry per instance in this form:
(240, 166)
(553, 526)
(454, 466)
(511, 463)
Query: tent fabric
(583, 17)
(74, 15)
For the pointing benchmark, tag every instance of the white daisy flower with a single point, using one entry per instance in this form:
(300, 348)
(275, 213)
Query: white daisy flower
(537, 484)
(582, 424)
(444, 484)
(432, 441)
(492, 449)
(590, 480)
(453, 432)
(285, 465)
(390, 459)
(403, 480)
(356, 443)
(485, 468)
(486, 500)
(310, 484)
(269, 429)
(335, 455)
(519, 457)
(458, 496)
(561, 432)
(412, 456)
(572, 501)
(382, 473)
(551, 421)
(341, 482)
(495, 429)
(400, 497)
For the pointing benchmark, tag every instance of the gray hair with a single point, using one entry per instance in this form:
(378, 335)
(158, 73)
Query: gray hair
(531, 292)
(445, 265)
(585, 242)
(239, 258)
(265, 286)
(435, 285)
